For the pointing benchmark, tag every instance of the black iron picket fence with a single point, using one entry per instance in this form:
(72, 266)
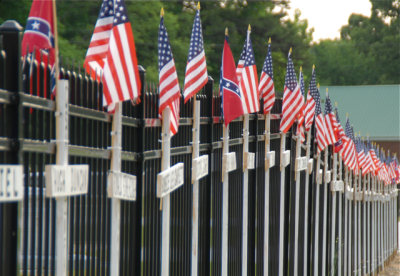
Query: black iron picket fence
(27, 229)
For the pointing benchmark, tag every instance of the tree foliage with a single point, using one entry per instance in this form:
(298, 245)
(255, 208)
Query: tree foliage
(368, 51)
(76, 20)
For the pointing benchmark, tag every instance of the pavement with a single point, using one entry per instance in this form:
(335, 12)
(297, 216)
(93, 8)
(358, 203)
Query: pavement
(393, 269)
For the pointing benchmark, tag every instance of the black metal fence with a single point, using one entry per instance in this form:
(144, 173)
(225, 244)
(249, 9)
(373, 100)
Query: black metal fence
(27, 229)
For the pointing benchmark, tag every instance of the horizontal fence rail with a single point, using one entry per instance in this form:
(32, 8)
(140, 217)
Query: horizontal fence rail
(292, 224)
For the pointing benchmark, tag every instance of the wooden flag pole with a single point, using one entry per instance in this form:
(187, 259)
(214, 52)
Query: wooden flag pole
(325, 211)
(333, 229)
(266, 193)
(282, 205)
(165, 164)
(316, 221)
(116, 142)
(346, 203)
(297, 203)
(225, 201)
(245, 199)
(195, 214)
(306, 191)
(340, 248)
(61, 159)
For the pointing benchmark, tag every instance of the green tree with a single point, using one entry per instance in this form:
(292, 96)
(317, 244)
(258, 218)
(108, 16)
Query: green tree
(368, 51)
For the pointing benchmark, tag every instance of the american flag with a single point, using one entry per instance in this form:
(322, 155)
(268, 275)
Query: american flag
(38, 40)
(368, 167)
(360, 153)
(310, 105)
(329, 121)
(112, 54)
(196, 69)
(248, 82)
(168, 79)
(339, 132)
(375, 159)
(301, 116)
(372, 155)
(322, 142)
(349, 152)
(392, 170)
(266, 86)
(241, 61)
(292, 98)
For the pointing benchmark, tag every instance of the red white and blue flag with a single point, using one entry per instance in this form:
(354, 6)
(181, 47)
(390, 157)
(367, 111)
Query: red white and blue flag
(360, 153)
(322, 142)
(339, 132)
(168, 79)
(301, 115)
(229, 89)
(112, 55)
(248, 82)
(196, 69)
(330, 121)
(266, 85)
(38, 41)
(349, 154)
(292, 98)
(310, 104)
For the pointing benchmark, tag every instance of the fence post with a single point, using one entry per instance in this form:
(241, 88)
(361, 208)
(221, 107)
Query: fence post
(195, 214)
(165, 164)
(225, 202)
(266, 192)
(62, 135)
(115, 202)
(11, 35)
(307, 186)
(245, 195)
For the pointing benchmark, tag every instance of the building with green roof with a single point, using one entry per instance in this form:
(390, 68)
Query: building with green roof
(374, 110)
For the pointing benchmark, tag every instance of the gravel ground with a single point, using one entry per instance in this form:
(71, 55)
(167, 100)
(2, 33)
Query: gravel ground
(393, 269)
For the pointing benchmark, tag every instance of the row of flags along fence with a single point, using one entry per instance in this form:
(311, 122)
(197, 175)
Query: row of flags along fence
(170, 185)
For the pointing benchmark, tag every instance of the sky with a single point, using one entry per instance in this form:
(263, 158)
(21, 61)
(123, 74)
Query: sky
(328, 16)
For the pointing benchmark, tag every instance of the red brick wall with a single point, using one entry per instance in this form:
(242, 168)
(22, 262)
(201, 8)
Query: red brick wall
(393, 146)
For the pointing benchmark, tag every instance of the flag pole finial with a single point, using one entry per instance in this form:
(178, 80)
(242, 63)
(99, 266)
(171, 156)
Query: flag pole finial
(290, 50)
(347, 115)
(269, 40)
(317, 85)
(336, 104)
(198, 5)
(162, 12)
(313, 66)
(301, 68)
(249, 28)
(226, 31)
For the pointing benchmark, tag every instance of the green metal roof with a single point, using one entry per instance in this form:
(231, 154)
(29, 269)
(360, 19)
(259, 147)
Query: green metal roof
(373, 109)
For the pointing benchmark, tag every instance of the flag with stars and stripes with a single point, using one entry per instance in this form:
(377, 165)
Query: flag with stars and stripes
(339, 132)
(310, 104)
(301, 115)
(241, 61)
(373, 156)
(266, 85)
(196, 69)
(248, 83)
(329, 121)
(360, 153)
(368, 166)
(292, 99)
(168, 79)
(322, 142)
(228, 87)
(349, 152)
(38, 40)
(112, 55)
